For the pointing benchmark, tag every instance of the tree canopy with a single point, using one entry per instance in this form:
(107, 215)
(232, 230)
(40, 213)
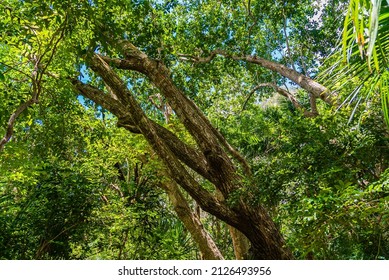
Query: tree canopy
(192, 129)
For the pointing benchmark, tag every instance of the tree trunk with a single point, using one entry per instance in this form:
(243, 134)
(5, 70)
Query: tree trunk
(211, 158)
(240, 242)
(207, 246)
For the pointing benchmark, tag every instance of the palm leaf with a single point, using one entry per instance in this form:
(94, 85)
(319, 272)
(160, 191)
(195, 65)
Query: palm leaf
(363, 54)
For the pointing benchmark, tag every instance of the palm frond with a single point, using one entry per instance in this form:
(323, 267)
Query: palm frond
(363, 56)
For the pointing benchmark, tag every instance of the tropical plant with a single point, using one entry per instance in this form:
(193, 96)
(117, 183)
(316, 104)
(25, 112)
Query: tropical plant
(364, 55)
(171, 75)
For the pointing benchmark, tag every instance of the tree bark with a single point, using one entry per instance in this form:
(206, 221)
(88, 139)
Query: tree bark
(207, 246)
(240, 242)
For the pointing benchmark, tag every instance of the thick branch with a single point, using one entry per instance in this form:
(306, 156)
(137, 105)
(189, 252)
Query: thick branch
(318, 90)
(188, 155)
(206, 136)
(98, 96)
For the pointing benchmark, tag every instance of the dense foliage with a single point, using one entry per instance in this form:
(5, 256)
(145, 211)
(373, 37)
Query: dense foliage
(324, 179)
(76, 182)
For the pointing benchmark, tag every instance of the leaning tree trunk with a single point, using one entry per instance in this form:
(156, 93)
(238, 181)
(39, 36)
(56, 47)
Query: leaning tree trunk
(240, 243)
(212, 158)
(192, 223)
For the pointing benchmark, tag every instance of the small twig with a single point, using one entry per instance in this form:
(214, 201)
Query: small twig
(251, 93)
(15, 69)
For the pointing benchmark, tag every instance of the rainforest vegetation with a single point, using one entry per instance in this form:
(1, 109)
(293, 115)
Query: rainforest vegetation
(204, 129)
